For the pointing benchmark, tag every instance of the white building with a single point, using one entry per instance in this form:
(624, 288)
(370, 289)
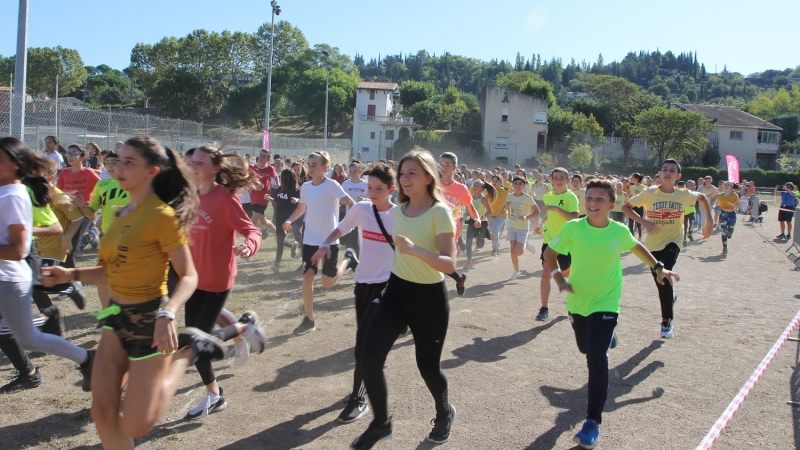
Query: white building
(755, 142)
(512, 125)
(377, 123)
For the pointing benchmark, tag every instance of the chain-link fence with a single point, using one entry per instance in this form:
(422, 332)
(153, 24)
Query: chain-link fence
(74, 124)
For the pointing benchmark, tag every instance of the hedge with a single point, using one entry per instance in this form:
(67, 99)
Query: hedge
(763, 178)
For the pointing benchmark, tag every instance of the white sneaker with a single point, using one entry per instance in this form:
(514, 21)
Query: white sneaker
(667, 331)
(255, 334)
(513, 276)
(241, 353)
(210, 403)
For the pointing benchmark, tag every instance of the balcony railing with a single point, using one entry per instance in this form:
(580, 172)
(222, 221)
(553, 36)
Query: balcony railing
(387, 120)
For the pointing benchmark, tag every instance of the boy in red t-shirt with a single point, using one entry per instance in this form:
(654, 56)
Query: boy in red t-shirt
(458, 196)
(79, 179)
(259, 198)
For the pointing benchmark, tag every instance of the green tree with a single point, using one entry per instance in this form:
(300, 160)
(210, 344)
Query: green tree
(288, 40)
(45, 64)
(585, 130)
(527, 83)
(308, 96)
(622, 98)
(559, 124)
(580, 156)
(673, 133)
(413, 92)
(426, 113)
(185, 95)
(790, 124)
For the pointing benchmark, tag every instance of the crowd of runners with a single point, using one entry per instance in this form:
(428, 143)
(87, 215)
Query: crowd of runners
(169, 228)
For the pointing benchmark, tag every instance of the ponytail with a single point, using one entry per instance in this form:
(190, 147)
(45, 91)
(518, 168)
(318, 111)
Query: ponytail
(491, 192)
(232, 177)
(32, 170)
(174, 184)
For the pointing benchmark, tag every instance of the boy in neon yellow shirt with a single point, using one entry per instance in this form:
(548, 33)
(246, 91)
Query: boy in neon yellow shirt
(664, 209)
(594, 289)
(561, 206)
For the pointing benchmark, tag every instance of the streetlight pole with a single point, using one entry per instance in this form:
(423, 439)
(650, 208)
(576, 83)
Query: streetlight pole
(276, 11)
(327, 80)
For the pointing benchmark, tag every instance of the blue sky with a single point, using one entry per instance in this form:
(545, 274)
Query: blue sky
(741, 34)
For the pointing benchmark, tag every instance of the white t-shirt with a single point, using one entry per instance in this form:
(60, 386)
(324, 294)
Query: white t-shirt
(15, 202)
(322, 210)
(244, 196)
(376, 254)
(55, 156)
(355, 190)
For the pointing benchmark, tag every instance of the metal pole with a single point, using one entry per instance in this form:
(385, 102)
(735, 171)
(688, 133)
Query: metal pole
(108, 135)
(325, 132)
(57, 106)
(20, 75)
(269, 73)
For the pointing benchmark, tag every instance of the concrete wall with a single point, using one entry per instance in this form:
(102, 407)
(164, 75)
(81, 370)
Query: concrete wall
(746, 149)
(520, 130)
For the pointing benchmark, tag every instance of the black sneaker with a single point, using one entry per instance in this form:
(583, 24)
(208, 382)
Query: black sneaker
(614, 341)
(264, 233)
(788, 236)
(461, 286)
(441, 427)
(86, 371)
(22, 382)
(305, 327)
(63, 295)
(355, 409)
(351, 254)
(544, 314)
(780, 236)
(205, 346)
(276, 267)
(55, 323)
(254, 335)
(375, 433)
(294, 249)
(77, 295)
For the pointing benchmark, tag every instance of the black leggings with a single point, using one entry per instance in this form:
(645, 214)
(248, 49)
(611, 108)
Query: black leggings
(477, 234)
(365, 307)
(668, 256)
(280, 235)
(632, 224)
(18, 357)
(424, 308)
(593, 335)
(202, 310)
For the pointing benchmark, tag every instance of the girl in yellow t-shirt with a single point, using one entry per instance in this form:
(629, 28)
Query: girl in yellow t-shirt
(139, 336)
(636, 187)
(498, 217)
(727, 201)
(416, 296)
(483, 205)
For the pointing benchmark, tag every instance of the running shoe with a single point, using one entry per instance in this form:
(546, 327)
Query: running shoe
(264, 233)
(294, 249)
(275, 267)
(513, 276)
(461, 286)
(55, 322)
(613, 341)
(544, 314)
(77, 295)
(375, 433)
(587, 437)
(351, 255)
(255, 334)
(724, 249)
(355, 409)
(22, 382)
(780, 236)
(461, 245)
(494, 252)
(788, 236)
(241, 353)
(667, 330)
(468, 265)
(63, 295)
(305, 327)
(86, 371)
(441, 427)
(208, 405)
(691, 238)
(204, 345)
(477, 250)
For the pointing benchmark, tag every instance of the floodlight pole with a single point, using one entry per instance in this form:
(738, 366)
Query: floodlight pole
(276, 10)
(327, 79)
(20, 74)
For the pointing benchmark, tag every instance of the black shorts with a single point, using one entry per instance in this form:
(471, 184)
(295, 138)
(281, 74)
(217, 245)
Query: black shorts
(248, 209)
(259, 209)
(785, 216)
(35, 263)
(135, 326)
(564, 261)
(328, 267)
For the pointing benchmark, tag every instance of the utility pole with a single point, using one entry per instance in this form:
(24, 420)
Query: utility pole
(276, 11)
(327, 79)
(20, 74)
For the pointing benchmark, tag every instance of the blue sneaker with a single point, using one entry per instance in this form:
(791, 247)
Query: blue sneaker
(587, 437)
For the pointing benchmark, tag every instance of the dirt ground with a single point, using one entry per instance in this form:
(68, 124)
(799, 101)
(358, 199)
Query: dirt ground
(517, 383)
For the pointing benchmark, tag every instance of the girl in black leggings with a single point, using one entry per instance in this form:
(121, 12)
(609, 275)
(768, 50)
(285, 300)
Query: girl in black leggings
(415, 296)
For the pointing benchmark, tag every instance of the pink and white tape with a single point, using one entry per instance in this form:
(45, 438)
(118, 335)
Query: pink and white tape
(725, 418)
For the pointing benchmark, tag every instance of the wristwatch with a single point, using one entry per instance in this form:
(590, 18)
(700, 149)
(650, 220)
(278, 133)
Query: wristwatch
(659, 265)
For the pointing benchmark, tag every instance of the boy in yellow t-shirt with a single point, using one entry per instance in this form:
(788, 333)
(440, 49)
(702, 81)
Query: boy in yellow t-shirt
(561, 206)
(664, 209)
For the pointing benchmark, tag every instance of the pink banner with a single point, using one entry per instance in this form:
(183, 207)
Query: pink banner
(266, 139)
(733, 168)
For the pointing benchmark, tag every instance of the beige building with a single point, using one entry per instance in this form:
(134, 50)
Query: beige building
(512, 125)
(755, 142)
(378, 122)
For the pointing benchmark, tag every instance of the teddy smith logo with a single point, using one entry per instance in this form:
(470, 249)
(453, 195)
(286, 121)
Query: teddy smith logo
(665, 211)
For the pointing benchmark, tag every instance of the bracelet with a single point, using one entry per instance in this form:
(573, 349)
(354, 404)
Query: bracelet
(553, 273)
(165, 314)
(76, 275)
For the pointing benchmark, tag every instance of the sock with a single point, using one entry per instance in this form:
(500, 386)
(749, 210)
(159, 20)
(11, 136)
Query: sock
(456, 276)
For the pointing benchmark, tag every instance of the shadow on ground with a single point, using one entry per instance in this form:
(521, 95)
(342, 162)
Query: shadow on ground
(621, 382)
